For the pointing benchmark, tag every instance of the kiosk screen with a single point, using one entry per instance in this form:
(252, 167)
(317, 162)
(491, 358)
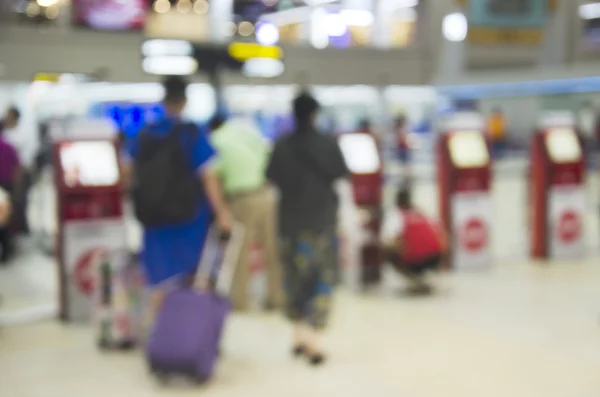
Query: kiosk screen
(468, 149)
(361, 153)
(89, 164)
(562, 145)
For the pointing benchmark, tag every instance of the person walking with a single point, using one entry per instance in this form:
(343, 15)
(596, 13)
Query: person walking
(242, 155)
(304, 167)
(175, 191)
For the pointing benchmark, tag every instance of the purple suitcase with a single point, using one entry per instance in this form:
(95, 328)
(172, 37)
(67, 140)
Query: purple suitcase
(188, 329)
(185, 340)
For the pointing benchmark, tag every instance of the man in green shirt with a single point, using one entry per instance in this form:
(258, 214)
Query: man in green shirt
(241, 163)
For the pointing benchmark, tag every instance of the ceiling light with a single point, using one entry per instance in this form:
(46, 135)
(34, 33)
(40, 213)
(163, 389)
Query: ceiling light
(159, 47)
(263, 67)
(33, 10)
(184, 6)
(162, 6)
(168, 65)
(267, 34)
(246, 28)
(52, 12)
(47, 3)
(201, 7)
(319, 37)
(336, 26)
(455, 27)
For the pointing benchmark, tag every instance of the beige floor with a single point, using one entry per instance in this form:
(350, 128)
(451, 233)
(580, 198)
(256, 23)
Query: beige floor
(520, 330)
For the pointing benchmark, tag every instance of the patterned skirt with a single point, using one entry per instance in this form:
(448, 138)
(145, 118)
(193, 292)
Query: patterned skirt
(311, 272)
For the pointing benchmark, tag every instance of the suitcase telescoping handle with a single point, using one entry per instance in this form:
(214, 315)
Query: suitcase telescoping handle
(218, 260)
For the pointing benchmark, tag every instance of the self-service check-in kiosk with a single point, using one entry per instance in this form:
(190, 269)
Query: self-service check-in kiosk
(89, 212)
(364, 162)
(464, 179)
(557, 189)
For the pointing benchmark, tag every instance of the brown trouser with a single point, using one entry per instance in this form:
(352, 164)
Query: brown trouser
(257, 211)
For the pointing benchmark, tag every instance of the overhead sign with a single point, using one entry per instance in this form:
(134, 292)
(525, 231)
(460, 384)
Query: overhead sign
(49, 77)
(489, 35)
(245, 51)
(507, 21)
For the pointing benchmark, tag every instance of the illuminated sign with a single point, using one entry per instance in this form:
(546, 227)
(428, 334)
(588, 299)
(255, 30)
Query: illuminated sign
(91, 163)
(50, 77)
(360, 153)
(481, 35)
(245, 51)
(507, 21)
(563, 146)
(468, 149)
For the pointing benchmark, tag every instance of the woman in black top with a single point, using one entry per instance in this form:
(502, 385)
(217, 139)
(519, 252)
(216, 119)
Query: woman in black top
(304, 167)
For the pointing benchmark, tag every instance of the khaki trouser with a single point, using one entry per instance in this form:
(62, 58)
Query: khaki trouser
(257, 211)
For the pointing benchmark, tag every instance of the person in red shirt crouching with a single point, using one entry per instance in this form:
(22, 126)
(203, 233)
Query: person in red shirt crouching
(413, 243)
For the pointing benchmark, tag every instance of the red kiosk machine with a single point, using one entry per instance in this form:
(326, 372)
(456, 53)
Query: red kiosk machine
(557, 189)
(364, 161)
(464, 179)
(90, 212)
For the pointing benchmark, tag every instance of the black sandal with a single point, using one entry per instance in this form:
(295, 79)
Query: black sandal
(317, 359)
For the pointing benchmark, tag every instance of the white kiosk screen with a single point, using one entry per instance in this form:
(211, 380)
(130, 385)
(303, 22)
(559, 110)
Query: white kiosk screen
(468, 149)
(361, 153)
(91, 163)
(562, 145)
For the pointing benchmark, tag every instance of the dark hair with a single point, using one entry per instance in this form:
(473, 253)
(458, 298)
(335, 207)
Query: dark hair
(15, 112)
(175, 89)
(305, 106)
(404, 198)
(216, 122)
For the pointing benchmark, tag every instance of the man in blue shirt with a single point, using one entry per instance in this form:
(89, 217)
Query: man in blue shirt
(173, 251)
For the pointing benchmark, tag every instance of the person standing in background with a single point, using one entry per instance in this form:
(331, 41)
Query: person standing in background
(403, 146)
(242, 155)
(304, 167)
(26, 144)
(497, 131)
(10, 179)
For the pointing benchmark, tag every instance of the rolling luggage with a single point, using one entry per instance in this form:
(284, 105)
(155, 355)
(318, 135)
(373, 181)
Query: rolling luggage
(120, 288)
(186, 336)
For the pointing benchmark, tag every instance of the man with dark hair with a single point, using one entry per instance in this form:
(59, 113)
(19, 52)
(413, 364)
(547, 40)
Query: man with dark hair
(242, 159)
(304, 166)
(172, 251)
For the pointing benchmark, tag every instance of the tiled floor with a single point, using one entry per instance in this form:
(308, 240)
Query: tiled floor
(522, 330)
(519, 330)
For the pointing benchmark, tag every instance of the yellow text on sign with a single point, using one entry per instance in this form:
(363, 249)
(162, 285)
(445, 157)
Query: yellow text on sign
(245, 51)
(482, 35)
(50, 77)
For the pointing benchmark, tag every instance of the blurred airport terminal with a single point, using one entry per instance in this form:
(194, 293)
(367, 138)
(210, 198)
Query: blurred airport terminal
(479, 118)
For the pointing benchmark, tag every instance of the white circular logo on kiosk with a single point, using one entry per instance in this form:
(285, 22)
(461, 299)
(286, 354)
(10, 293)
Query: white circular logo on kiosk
(569, 227)
(473, 235)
